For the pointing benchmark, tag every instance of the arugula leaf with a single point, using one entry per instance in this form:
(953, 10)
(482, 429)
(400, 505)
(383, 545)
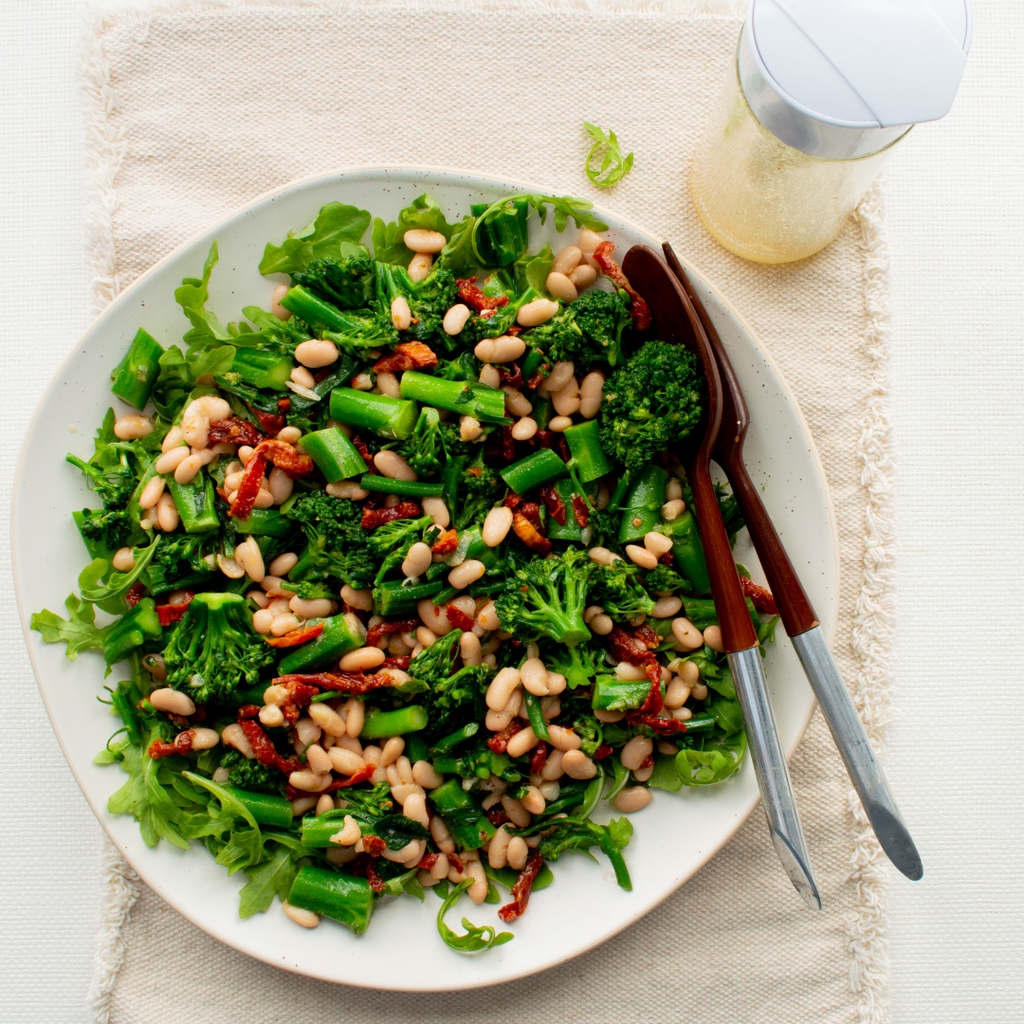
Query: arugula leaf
(192, 296)
(476, 940)
(270, 878)
(335, 226)
(79, 631)
(579, 834)
(719, 757)
(397, 830)
(728, 716)
(90, 580)
(406, 883)
(665, 775)
(614, 166)
(535, 268)
(388, 238)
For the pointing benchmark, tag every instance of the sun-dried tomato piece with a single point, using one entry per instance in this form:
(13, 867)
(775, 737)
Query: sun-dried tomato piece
(360, 775)
(542, 373)
(580, 511)
(446, 543)
(529, 534)
(538, 758)
(544, 439)
(626, 647)
(647, 636)
(282, 455)
(265, 751)
(410, 355)
(374, 517)
(168, 614)
(522, 887)
(639, 310)
(270, 423)
(342, 682)
(377, 883)
(763, 599)
(457, 862)
(248, 711)
(475, 299)
(374, 845)
(360, 446)
(296, 636)
(499, 741)
(553, 501)
(602, 752)
(662, 726)
(459, 619)
(181, 744)
(385, 628)
(512, 377)
(497, 816)
(428, 860)
(134, 594)
(234, 430)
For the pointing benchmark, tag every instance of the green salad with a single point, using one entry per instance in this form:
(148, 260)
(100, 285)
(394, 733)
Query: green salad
(400, 573)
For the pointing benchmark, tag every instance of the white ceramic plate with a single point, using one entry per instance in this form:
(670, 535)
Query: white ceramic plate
(674, 836)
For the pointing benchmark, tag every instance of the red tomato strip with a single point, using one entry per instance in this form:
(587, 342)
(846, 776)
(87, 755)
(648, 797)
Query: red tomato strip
(499, 741)
(282, 455)
(640, 311)
(265, 751)
(181, 744)
(296, 636)
(521, 890)
(475, 299)
(171, 613)
(460, 620)
(374, 633)
(762, 597)
(374, 517)
(234, 430)
(410, 355)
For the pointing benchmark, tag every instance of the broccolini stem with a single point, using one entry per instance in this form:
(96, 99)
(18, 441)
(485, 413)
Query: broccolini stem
(334, 454)
(344, 898)
(468, 399)
(395, 723)
(539, 468)
(413, 488)
(196, 503)
(688, 552)
(587, 453)
(461, 814)
(390, 417)
(449, 742)
(318, 314)
(536, 715)
(266, 808)
(643, 506)
(337, 639)
(133, 378)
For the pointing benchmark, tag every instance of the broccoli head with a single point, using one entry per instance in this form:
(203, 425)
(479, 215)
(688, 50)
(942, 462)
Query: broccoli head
(179, 559)
(651, 403)
(213, 651)
(617, 589)
(396, 534)
(348, 282)
(546, 597)
(337, 540)
(587, 331)
(577, 664)
(111, 527)
(428, 300)
(250, 775)
(361, 333)
(423, 450)
(663, 579)
(480, 489)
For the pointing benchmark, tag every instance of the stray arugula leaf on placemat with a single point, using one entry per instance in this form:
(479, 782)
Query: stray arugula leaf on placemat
(614, 166)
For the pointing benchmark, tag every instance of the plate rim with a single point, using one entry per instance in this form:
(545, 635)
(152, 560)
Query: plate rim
(323, 177)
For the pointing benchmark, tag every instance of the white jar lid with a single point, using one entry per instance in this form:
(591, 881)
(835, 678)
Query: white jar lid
(842, 78)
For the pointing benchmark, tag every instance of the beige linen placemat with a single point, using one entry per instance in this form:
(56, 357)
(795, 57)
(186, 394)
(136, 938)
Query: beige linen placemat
(196, 109)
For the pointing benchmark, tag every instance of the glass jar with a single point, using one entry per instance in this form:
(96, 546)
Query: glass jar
(765, 200)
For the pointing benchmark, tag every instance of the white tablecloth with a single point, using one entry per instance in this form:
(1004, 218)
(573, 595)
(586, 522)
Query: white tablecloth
(956, 234)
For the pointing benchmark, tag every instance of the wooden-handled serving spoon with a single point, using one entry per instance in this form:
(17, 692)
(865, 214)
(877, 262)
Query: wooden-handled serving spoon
(676, 321)
(798, 616)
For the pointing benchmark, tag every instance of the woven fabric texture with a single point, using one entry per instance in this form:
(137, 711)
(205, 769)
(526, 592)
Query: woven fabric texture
(198, 109)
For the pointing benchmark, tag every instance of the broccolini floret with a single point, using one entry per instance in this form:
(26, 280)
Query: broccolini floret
(112, 527)
(651, 403)
(586, 331)
(663, 579)
(213, 651)
(347, 281)
(546, 597)
(428, 300)
(618, 590)
(336, 540)
(578, 664)
(423, 450)
(250, 775)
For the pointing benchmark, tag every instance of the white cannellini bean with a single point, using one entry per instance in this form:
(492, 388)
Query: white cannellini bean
(469, 428)
(524, 428)
(713, 638)
(564, 739)
(393, 466)
(326, 718)
(591, 393)
(361, 658)
(559, 376)
(151, 492)
(172, 439)
(347, 489)
(309, 782)
(673, 509)
(657, 543)
(469, 648)
(667, 607)
(387, 384)
(123, 560)
(305, 918)
(501, 688)
(401, 314)
(676, 694)
(301, 376)
(418, 560)
(392, 751)
(419, 266)
(169, 461)
(433, 617)
(602, 624)
(437, 510)
(496, 526)
(503, 349)
(489, 375)
(167, 513)
(284, 624)
(311, 608)
(423, 240)
(204, 739)
(133, 426)
(577, 765)
(468, 572)
(516, 403)
(589, 241)
(687, 635)
(172, 701)
(583, 276)
(534, 677)
(487, 617)
(275, 302)
(635, 752)
(455, 319)
(283, 564)
(263, 620)
(641, 556)
(345, 762)
(250, 558)
(517, 853)
(540, 311)
(674, 488)
(195, 423)
(632, 798)
(523, 741)
(316, 353)
(559, 423)
(188, 468)
(362, 600)
(567, 260)
(561, 287)
(624, 670)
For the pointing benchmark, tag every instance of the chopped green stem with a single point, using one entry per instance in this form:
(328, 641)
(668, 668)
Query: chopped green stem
(541, 467)
(461, 814)
(395, 723)
(265, 522)
(390, 598)
(570, 530)
(196, 503)
(133, 378)
(642, 512)
(614, 694)
(125, 698)
(587, 453)
(384, 415)
(452, 740)
(536, 715)
(320, 315)
(266, 808)
(688, 552)
(388, 485)
(344, 898)
(337, 639)
(334, 454)
(468, 399)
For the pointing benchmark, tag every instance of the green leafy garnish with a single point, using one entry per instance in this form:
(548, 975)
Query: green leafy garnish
(613, 166)
(476, 940)
(79, 631)
(335, 225)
